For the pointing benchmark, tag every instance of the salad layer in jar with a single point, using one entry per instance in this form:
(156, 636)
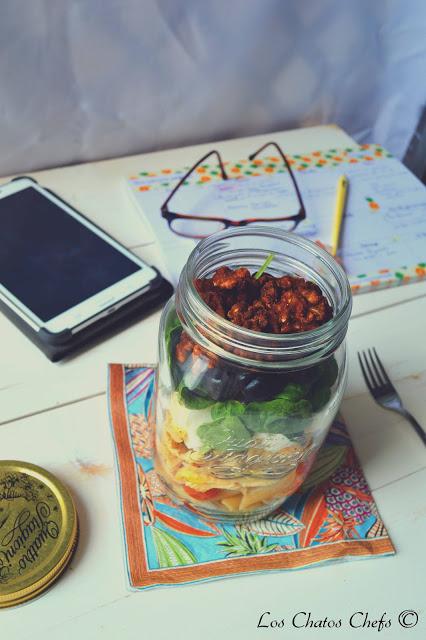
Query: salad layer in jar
(236, 440)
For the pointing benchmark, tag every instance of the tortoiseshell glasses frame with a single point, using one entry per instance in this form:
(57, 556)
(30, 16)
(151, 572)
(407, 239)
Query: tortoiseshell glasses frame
(173, 217)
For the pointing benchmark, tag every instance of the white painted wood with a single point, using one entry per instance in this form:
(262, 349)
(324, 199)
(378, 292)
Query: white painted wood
(397, 333)
(231, 609)
(92, 600)
(68, 431)
(365, 303)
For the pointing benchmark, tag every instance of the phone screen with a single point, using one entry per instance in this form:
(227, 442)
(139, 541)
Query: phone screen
(49, 260)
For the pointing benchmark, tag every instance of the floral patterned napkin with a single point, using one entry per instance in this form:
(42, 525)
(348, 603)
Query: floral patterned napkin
(332, 517)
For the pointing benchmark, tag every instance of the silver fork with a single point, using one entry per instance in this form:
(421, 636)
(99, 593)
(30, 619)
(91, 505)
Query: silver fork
(382, 389)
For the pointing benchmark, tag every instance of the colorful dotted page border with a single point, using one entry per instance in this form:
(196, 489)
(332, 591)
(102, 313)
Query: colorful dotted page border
(267, 165)
(383, 278)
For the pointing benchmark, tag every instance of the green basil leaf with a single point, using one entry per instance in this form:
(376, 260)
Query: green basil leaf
(281, 415)
(302, 409)
(172, 324)
(293, 425)
(222, 410)
(228, 434)
(293, 392)
(191, 400)
(262, 417)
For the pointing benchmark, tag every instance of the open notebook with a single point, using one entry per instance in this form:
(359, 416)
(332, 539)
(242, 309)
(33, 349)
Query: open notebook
(383, 241)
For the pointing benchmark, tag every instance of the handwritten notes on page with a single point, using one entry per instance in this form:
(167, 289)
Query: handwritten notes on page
(383, 239)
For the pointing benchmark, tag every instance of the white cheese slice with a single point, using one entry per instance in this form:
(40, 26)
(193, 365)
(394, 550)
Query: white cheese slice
(188, 420)
(272, 441)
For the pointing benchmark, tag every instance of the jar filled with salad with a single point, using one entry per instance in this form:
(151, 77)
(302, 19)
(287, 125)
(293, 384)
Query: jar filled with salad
(252, 370)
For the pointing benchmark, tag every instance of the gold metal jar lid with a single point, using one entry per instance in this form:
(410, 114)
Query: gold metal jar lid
(38, 531)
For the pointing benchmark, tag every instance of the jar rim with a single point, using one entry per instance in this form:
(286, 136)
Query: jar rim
(316, 342)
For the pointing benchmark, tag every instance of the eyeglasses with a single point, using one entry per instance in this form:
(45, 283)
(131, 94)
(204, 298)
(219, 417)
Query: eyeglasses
(190, 226)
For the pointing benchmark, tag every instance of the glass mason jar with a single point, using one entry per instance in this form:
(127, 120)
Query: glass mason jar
(241, 414)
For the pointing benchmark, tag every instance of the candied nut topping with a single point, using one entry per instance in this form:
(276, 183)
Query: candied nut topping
(187, 347)
(184, 347)
(287, 304)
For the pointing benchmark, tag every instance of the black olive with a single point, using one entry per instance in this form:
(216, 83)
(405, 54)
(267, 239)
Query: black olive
(257, 387)
(230, 383)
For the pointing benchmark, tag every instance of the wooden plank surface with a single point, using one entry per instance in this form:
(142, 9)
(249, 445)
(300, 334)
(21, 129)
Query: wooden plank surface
(92, 600)
(55, 415)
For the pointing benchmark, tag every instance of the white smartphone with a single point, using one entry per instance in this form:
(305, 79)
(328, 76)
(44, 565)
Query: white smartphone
(58, 271)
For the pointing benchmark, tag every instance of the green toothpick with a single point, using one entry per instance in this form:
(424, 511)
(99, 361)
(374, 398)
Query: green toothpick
(264, 266)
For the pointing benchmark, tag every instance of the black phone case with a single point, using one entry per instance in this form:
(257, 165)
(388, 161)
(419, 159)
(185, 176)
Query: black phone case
(57, 346)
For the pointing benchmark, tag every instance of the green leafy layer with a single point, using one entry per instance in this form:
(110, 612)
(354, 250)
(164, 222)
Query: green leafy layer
(191, 400)
(225, 434)
(173, 327)
(233, 422)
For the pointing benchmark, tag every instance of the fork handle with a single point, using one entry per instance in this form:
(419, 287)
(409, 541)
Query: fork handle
(419, 430)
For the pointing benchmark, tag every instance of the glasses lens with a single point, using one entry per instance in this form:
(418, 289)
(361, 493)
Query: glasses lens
(196, 228)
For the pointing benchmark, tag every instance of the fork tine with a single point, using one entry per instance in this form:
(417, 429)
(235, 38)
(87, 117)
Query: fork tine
(376, 370)
(381, 367)
(373, 380)
(364, 373)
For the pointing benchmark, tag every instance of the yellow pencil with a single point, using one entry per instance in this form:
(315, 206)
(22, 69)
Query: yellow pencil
(339, 212)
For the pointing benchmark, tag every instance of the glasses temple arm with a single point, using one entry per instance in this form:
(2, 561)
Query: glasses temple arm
(164, 206)
(287, 164)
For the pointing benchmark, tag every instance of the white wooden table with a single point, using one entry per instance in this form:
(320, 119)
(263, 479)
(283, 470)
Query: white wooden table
(55, 415)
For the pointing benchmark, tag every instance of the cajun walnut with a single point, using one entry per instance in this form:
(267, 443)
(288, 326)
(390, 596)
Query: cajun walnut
(287, 304)
(269, 304)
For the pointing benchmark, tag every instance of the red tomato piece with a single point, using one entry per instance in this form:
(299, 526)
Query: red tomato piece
(210, 494)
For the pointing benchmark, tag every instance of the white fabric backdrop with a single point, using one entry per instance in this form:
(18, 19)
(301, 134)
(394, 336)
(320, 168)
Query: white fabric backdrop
(86, 79)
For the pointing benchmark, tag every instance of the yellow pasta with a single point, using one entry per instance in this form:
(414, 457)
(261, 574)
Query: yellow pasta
(238, 476)
(265, 494)
(232, 503)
